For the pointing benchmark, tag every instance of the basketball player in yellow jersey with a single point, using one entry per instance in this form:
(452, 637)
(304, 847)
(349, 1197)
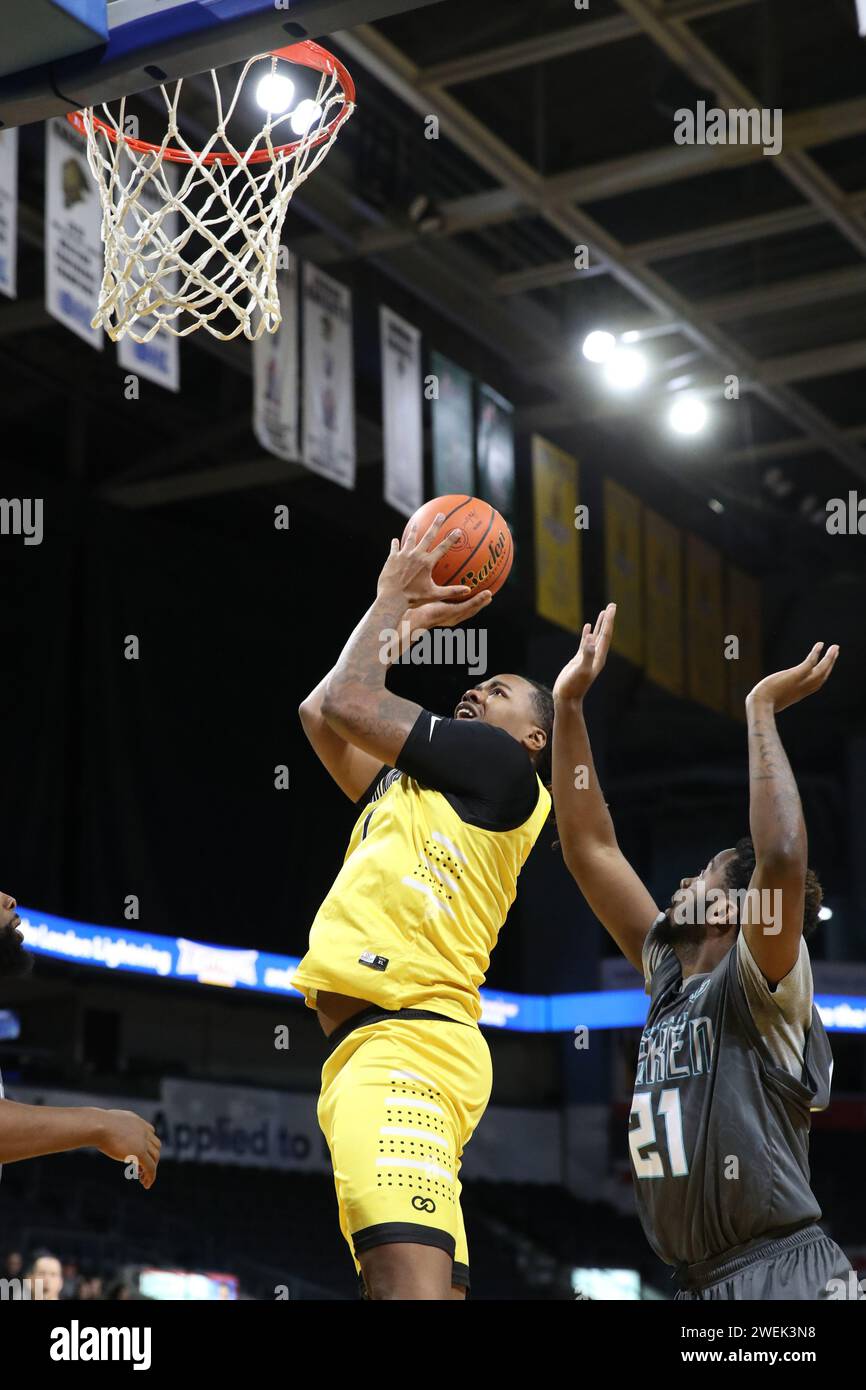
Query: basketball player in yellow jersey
(449, 810)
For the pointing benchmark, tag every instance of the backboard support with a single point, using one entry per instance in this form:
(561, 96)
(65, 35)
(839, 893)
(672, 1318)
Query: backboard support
(153, 41)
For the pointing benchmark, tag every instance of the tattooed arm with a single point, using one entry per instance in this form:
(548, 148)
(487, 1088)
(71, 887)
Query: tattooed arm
(352, 769)
(776, 818)
(356, 704)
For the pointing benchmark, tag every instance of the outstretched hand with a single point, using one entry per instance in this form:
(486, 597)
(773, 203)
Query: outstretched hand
(408, 570)
(575, 679)
(126, 1137)
(786, 688)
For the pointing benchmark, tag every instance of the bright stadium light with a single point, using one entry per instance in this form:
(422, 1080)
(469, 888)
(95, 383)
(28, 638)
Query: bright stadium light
(825, 913)
(274, 93)
(688, 415)
(599, 346)
(625, 370)
(305, 115)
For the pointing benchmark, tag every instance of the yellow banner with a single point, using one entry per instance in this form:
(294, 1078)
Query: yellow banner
(663, 567)
(557, 541)
(705, 636)
(743, 622)
(622, 548)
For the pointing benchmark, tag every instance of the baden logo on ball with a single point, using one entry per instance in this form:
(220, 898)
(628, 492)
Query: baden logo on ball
(482, 556)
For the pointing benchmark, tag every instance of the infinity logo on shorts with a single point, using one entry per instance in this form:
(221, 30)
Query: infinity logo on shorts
(423, 1204)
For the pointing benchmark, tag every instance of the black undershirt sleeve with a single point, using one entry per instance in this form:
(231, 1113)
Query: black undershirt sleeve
(486, 775)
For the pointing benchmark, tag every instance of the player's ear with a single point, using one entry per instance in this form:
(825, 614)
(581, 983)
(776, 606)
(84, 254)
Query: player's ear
(536, 740)
(721, 910)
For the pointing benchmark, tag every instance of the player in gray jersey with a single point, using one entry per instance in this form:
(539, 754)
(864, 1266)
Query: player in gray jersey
(733, 1057)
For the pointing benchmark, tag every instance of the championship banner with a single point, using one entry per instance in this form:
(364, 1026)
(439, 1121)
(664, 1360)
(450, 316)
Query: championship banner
(495, 446)
(743, 620)
(452, 429)
(403, 421)
(663, 571)
(158, 360)
(624, 571)
(705, 636)
(557, 540)
(276, 400)
(9, 213)
(329, 387)
(73, 237)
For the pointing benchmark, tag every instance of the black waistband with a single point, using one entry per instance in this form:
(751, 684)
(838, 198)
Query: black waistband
(375, 1012)
(730, 1262)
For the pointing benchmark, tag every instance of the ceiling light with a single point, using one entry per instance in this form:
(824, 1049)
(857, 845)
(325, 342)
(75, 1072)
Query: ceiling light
(625, 370)
(688, 415)
(305, 115)
(599, 346)
(274, 93)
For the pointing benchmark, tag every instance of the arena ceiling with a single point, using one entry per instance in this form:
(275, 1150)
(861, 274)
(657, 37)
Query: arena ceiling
(555, 131)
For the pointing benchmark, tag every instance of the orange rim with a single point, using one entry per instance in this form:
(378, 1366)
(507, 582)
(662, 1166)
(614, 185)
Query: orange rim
(307, 54)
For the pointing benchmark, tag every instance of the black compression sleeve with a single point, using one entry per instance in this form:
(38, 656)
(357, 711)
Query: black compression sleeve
(487, 775)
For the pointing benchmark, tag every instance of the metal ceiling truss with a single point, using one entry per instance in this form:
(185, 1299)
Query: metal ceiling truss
(494, 307)
(527, 194)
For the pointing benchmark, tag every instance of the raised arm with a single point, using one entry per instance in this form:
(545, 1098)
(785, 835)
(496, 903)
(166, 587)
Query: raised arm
(601, 871)
(351, 768)
(356, 703)
(776, 818)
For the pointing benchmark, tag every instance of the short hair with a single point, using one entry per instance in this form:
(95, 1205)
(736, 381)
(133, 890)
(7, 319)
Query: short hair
(738, 875)
(542, 708)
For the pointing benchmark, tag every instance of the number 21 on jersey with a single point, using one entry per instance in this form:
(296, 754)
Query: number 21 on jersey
(650, 1165)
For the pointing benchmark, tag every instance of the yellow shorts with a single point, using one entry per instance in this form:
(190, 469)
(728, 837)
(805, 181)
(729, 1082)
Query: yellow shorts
(401, 1096)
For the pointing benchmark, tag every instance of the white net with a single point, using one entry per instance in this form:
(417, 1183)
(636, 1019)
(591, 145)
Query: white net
(192, 237)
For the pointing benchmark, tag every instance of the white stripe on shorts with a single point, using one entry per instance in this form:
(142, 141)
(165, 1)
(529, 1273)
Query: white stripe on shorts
(393, 1102)
(415, 1134)
(431, 1168)
(412, 1076)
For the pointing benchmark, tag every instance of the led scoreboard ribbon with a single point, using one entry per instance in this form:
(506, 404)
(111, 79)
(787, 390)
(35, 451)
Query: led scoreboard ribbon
(202, 963)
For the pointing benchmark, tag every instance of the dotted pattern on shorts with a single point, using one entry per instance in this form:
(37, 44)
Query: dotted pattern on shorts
(402, 1112)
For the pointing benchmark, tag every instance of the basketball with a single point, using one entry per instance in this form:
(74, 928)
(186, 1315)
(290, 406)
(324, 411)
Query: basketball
(482, 556)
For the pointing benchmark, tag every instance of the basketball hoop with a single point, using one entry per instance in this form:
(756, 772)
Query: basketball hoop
(184, 250)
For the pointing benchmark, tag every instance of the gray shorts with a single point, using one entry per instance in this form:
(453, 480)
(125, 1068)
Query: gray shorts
(805, 1266)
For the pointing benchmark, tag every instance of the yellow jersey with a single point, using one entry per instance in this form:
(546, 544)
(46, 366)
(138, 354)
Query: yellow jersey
(415, 912)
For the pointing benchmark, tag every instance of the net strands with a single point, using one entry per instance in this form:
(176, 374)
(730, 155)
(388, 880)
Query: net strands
(222, 205)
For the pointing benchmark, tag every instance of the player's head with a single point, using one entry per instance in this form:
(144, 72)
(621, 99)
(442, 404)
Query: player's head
(521, 707)
(46, 1274)
(707, 906)
(14, 960)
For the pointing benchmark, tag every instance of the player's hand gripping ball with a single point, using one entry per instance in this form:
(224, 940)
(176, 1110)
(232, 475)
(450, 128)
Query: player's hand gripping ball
(482, 556)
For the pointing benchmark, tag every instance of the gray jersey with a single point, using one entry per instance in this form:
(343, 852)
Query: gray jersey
(719, 1132)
